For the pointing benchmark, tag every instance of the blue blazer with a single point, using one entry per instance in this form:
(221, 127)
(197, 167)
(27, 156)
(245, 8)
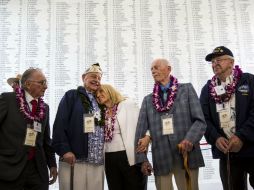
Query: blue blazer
(244, 97)
(68, 135)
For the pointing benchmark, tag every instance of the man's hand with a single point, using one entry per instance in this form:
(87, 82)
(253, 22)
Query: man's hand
(185, 146)
(146, 168)
(222, 144)
(53, 175)
(235, 144)
(70, 158)
(143, 144)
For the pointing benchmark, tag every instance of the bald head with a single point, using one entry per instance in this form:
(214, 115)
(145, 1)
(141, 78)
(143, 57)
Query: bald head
(161, 69)
(162, 61)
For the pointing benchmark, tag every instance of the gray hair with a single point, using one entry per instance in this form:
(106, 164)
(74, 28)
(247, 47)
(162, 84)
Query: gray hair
(230, 57)
(27, 74)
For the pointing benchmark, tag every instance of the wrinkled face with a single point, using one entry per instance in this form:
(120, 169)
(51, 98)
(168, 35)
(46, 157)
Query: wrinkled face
(222, 65)
(92, 81)
(102, 97)
(36, 84)
(160, 71)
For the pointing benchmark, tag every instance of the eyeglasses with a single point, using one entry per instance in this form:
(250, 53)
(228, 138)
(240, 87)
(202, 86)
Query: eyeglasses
(218, 60)
(41, 82)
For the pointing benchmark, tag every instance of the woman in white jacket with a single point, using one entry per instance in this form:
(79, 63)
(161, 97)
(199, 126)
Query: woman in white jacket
(121, 117)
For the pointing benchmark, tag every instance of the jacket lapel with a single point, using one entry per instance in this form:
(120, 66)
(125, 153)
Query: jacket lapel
(121, 119)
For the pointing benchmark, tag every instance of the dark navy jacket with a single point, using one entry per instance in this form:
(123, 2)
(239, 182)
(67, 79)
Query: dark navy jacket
(244, 97)
(68, 135)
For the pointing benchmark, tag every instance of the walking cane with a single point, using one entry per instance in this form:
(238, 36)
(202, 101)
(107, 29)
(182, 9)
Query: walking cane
(71, 177)
(228, 171)
(187, 169)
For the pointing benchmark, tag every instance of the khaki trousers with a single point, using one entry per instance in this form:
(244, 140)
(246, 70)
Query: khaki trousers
(86, 176)
(165, 182)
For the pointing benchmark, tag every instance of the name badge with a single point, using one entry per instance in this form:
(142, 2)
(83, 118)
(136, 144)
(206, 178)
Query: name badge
(224, 106)
(224, 125)
(37, 126)
(219, 90)
(232, 124)
(30, 137)
(88, 123)
(224, 116)
(167, 124)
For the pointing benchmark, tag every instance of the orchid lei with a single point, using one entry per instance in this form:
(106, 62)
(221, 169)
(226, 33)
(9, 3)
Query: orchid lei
(110, 123)
(230, 88)
(24, 108)
(157, 102)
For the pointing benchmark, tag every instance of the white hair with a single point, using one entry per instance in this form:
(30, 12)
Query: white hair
(162, 60)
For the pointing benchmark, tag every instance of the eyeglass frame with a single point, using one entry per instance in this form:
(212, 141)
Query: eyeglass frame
(41, 82)
(219, 60)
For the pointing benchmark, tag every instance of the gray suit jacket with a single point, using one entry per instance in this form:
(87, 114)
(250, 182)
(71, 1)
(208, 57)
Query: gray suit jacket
(188, 121)
(13, 153)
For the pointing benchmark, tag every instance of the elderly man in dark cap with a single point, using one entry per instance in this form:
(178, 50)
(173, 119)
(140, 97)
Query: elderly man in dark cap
(228, 104)
(78, 137)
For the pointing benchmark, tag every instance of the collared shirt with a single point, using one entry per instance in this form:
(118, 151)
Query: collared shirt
(164, 90)
(229, 79)
(29, 98)
(96, 139)
(230, 130)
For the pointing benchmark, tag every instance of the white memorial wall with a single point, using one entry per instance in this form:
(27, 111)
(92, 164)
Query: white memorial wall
(64, 37)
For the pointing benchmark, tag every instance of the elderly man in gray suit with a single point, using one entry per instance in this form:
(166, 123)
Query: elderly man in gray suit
(173, 118)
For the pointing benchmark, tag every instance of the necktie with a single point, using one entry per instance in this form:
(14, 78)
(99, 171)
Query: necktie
(31, 152)
(164, 95)
(34, 106)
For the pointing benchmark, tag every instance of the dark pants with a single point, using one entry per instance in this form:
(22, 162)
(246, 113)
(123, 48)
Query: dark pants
(28, 180)
(120, 175)
(239, 168)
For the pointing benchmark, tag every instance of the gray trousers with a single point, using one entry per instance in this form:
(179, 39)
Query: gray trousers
(86, 176)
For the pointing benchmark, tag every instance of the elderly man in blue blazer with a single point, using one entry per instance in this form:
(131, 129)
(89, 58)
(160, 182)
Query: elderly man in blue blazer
(78, 135)
(173, 116)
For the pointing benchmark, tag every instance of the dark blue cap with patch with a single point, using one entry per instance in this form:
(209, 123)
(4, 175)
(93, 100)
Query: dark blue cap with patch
(219, 51)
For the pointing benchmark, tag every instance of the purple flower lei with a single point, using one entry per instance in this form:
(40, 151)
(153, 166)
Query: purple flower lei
(23, 107)
(110, 127)
(157, 102)
(230, 88)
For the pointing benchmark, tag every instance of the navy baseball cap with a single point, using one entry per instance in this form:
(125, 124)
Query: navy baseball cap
(219, 51)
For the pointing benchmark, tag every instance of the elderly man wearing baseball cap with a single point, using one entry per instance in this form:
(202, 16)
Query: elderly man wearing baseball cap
(78, 135)
(227, 101)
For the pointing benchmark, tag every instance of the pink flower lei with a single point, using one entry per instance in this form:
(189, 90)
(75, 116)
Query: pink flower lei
(24, 108)
(110, 125)
(230, 88)
(157, 102)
